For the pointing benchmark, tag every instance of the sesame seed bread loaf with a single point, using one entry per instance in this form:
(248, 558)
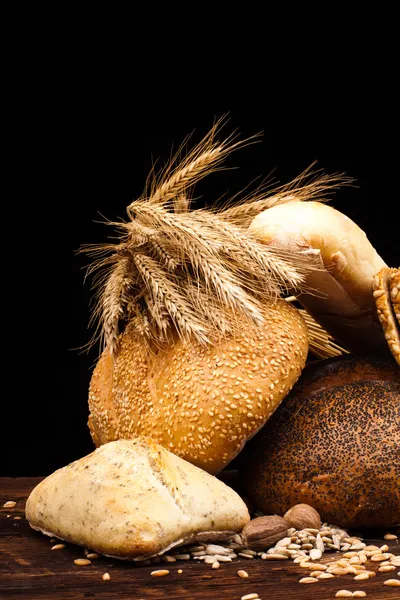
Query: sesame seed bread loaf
(134, 499)
(341, 294)
(202, 403)
(333, 443)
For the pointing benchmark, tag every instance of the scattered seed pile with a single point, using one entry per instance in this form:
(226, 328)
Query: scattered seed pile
(304, 547)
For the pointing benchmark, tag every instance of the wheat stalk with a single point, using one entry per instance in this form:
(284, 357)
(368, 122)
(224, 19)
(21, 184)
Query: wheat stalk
(153, 238)
(166, 292)
(112, 301)
(321, 343)
(202, 252)
(222, 323)
(197, 273)
(309, 185)
(250, 254)
(180, 175)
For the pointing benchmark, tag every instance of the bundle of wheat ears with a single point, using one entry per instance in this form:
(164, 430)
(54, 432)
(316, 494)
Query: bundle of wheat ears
(196, 274)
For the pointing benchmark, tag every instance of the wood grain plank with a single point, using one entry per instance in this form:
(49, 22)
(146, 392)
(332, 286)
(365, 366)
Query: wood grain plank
(29, 570)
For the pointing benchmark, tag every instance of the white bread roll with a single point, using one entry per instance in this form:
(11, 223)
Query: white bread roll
(202, 403)
(134, 499)
(341, 294)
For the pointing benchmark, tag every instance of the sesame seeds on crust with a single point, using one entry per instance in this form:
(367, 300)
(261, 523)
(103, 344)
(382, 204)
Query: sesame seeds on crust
(202, 403)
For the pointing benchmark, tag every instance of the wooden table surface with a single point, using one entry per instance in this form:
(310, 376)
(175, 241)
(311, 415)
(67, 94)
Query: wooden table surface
(29, 569)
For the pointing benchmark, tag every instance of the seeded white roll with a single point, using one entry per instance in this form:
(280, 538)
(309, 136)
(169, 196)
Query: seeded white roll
(201, 402)
(134, 499)
(341, 286)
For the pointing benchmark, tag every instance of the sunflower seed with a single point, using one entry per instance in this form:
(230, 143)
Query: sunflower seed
(216, 549)
(169, 559)
(243, 574)
(387, 568)
(319, 543)
(392, 582)
(315, 554)
(361, 577)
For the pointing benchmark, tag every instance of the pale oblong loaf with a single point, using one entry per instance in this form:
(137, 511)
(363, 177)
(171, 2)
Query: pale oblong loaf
(134, 499)
(202, 403)
(340, 295)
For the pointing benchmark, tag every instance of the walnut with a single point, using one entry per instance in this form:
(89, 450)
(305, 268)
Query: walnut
(263, 532)
(302, 516)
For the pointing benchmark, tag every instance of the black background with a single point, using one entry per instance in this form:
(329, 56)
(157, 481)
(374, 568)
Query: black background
(91, 104)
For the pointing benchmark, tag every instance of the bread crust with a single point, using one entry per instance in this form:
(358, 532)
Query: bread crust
(134, 499)
(386, 285)
(336, 449)
(202, 403)
(319, 375)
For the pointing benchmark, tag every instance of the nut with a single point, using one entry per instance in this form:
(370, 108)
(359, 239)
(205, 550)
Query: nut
(302, 516)
(263, 532)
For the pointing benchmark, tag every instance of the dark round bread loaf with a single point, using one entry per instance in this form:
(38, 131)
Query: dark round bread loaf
(337, 449)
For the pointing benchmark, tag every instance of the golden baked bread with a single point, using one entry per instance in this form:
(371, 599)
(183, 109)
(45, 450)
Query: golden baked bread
(340, 295)
(200, 347)
(394, 286)
(134, 499)
(386, 287)
(336, 449)
(200, 402)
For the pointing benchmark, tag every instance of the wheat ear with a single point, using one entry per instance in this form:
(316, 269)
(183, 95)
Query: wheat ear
(113, 300)
(250, 254)
(202, 253)
(180, 175)
(309, 185)
(166, 292)
(195, 274)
